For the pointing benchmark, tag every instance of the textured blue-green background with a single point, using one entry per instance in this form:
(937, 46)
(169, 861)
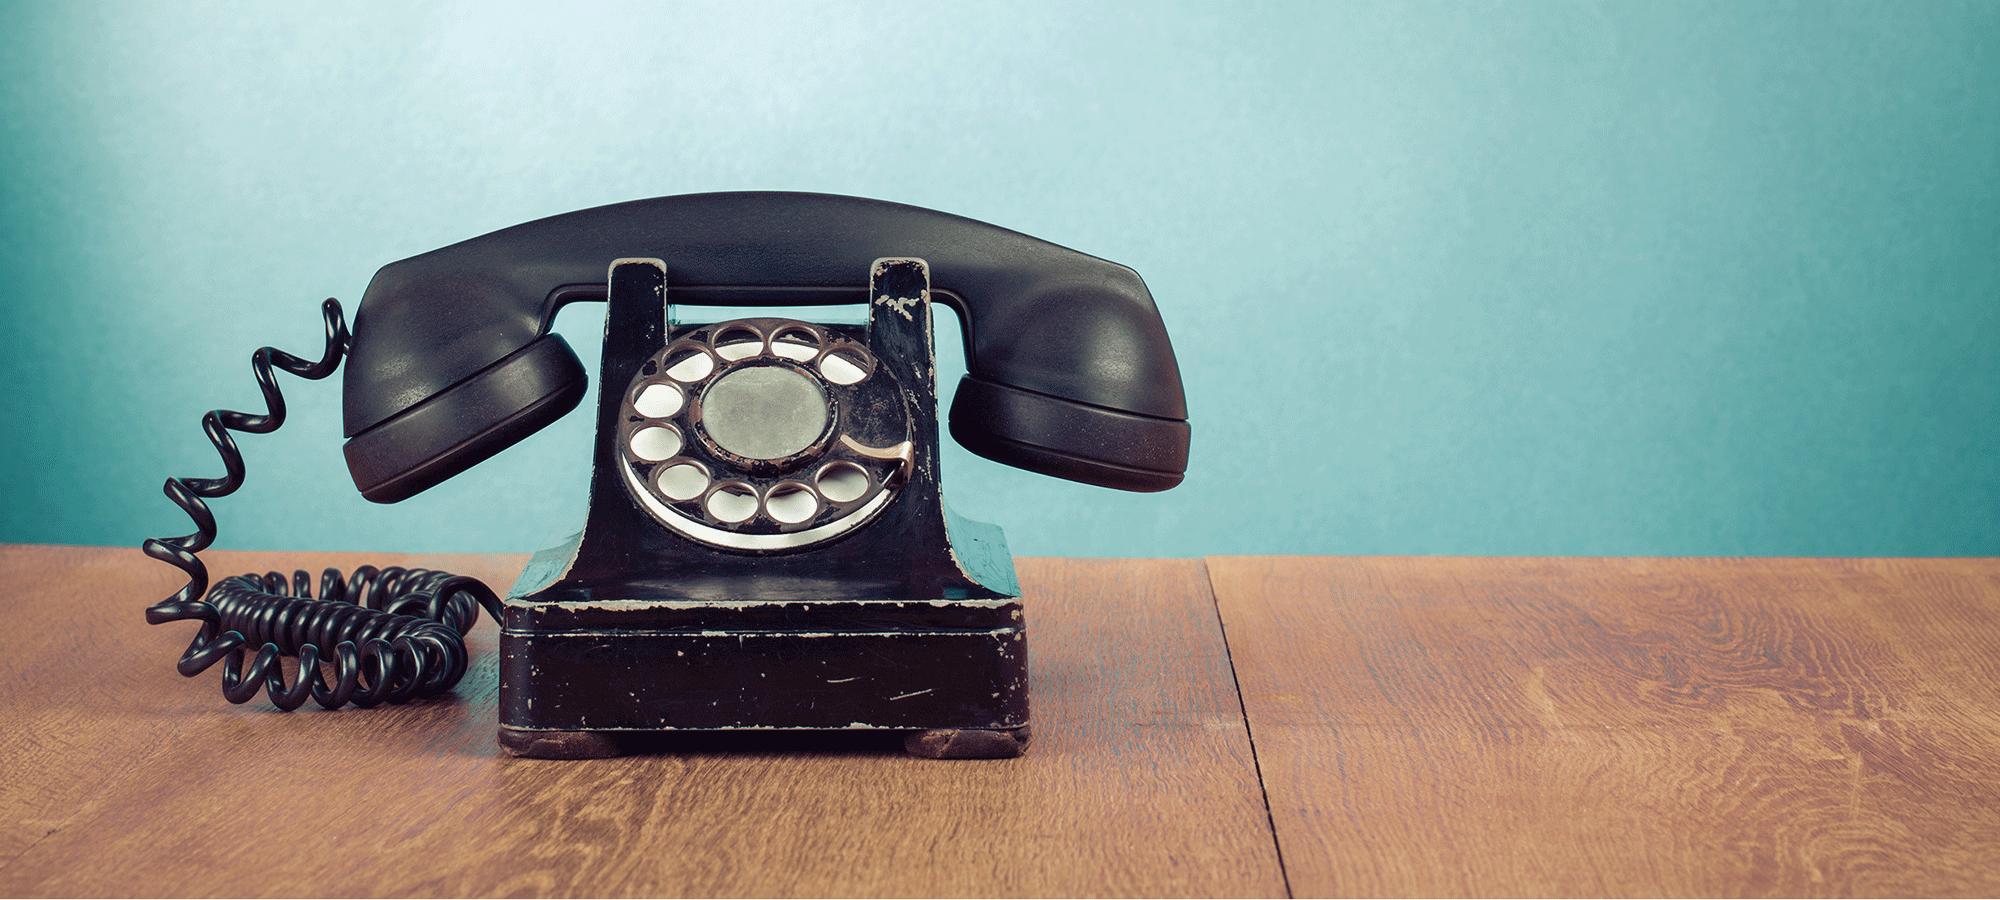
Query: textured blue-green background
(1525, 278)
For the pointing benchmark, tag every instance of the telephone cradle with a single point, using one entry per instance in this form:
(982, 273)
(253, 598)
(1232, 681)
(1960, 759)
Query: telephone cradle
(767, 545)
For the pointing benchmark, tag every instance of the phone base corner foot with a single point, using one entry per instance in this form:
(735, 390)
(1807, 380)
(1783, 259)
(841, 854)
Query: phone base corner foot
(967, 743)
(538, 744)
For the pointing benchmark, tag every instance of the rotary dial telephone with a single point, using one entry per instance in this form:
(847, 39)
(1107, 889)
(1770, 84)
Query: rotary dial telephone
(767, 544)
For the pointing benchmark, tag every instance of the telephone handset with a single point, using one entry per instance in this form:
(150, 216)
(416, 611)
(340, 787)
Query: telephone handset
(767, 545)
(1071, 373)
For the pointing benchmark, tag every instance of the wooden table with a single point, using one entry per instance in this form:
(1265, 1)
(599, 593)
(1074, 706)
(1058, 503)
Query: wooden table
(1234, 726)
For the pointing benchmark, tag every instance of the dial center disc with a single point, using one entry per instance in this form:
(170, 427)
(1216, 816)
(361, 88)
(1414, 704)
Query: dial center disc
(764, 412)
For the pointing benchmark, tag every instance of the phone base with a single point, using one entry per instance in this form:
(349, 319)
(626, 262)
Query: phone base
(910, 620)
(934, 743)
(665, 666)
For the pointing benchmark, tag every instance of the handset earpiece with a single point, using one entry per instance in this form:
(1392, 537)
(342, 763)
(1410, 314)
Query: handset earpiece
(1077, 441)
(462, 425)
(1076, 378)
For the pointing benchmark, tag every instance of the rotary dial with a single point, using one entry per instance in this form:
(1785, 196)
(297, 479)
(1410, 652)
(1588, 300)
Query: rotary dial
(764, 435)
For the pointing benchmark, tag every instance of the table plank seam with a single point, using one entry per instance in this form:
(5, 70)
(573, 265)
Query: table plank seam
(1249, 733)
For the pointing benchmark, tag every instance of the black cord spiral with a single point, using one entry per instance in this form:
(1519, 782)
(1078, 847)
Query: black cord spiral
(390, 634)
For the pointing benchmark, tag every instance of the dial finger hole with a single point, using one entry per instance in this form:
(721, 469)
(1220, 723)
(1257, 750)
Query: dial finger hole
(795, 344)
(842, 482)
(738, 342)
(658, 400)
(683, 482)
(694, 366)
(791, 503)
(843, 367)
(655, 443)
(732, 503)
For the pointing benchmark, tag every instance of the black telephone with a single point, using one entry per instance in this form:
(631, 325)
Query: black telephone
(766, 545)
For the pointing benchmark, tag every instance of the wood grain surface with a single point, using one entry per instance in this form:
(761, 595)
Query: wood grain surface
(124, 779)
(1517, 727)
(1525, 727)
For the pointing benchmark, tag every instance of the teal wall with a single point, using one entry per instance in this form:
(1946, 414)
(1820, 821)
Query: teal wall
(1523, 278)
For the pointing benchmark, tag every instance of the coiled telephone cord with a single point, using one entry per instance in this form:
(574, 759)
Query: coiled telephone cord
(390, 635)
